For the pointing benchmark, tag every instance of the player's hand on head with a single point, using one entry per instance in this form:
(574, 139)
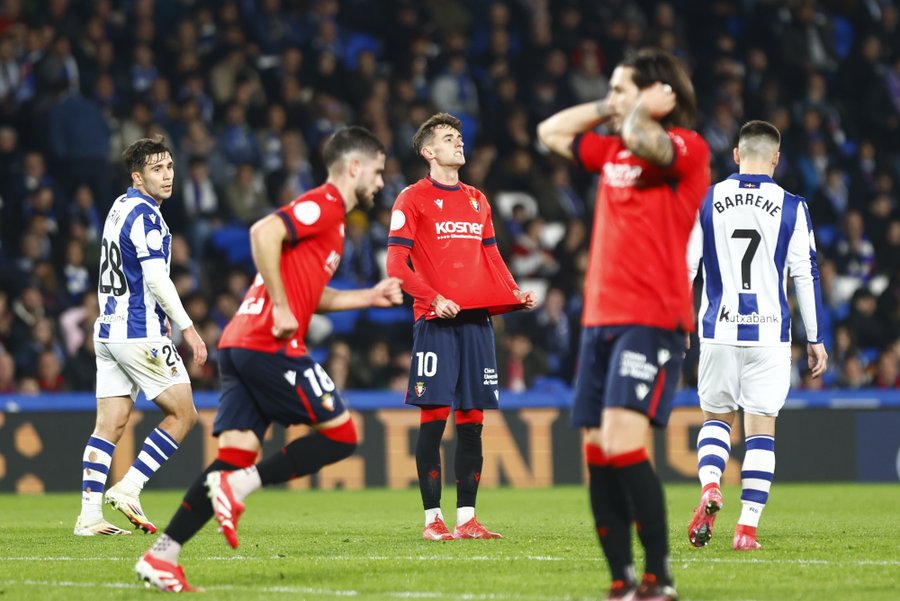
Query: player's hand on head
(196, 344)
(284, 324)
(445, 308)
(817, 359)
(658, 99)
(387, 293)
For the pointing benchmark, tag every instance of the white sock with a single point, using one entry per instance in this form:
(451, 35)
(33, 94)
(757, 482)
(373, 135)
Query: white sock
(713, 448)
(245, 481)
(94, 471)
(156, 450)
(757, 472)
(432, 514)
(464, 514)
(166, 549)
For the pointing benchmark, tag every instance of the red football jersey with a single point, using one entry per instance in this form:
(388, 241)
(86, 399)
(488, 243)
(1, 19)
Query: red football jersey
(637, 271)
(309, 257)
(449, 232)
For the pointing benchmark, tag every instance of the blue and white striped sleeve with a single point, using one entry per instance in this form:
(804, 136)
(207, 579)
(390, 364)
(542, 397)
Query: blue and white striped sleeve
(805, 272)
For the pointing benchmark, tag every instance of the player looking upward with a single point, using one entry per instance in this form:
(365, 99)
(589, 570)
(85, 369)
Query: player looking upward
(442, 246)
(131, 337)
(267, 375)
(653, 174)
(750, 236)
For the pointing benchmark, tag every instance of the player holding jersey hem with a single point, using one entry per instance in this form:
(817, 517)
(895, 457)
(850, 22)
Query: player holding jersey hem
(134, 350)
(653, 172)
(750, 235)
(267, 374)
(441, 242)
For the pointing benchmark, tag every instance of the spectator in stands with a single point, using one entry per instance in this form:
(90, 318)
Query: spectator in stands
(853, 374)
(887, 374)
(7, 373)
(211, 56)
(49, 372)
(530, 258)
(245, 195)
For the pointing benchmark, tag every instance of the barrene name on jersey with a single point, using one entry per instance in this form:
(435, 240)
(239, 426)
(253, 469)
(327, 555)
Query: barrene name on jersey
(748, 200)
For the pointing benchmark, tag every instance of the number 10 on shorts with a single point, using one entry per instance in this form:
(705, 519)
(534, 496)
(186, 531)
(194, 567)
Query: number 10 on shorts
(426, 364)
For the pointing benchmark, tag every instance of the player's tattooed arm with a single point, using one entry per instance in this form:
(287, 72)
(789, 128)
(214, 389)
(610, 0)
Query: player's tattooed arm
(559, 130)
(641, 130)
(646, 138)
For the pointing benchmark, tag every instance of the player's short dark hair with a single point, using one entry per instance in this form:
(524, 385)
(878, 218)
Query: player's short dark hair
(139, 153)
(425, 133)
(760, 129)
(653, 65)
(350, 139)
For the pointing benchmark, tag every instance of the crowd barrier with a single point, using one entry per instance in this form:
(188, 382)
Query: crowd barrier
(835, 435)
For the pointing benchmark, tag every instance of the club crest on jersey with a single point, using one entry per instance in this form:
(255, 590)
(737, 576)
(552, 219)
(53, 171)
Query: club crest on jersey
(174, 371)
(475, 204)
(440, 203)
(328, 401)
(420, 388)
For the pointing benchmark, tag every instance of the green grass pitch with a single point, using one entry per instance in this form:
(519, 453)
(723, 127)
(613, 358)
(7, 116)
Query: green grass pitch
(822, 542)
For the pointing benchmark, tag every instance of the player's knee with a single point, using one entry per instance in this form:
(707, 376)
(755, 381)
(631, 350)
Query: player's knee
(190, 417)
(434, 414)
(346, 438)
(470, 416)
(236, 457)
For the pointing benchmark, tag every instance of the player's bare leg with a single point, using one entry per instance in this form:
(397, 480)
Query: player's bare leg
(180, 417)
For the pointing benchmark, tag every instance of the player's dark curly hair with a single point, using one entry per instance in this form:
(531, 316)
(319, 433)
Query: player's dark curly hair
(653, 65)
(140, 152)
(350, 139)
(426, 131)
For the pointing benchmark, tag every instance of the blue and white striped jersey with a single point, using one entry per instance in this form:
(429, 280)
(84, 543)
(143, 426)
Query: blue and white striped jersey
(750, 235)
(134, 232)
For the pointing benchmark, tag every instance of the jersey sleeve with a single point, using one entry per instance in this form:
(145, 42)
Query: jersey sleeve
(488, 234)
(694, 250)
(403, 221)
(489, 240)
(590, 150)
(307, 217)
(804, 270)
(146, 234)
(690, 163)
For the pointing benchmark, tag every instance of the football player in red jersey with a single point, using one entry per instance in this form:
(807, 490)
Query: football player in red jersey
(442, 245)
(267, 374)
(654, 172)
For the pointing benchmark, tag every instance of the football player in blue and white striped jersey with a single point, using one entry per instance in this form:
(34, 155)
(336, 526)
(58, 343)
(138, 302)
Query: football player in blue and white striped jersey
(750, 236)
(132, 339)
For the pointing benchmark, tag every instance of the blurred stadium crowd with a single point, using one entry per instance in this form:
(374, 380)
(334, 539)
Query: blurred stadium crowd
(245, 92)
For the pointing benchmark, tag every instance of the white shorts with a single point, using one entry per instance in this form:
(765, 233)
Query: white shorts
(123, 368)
(755, 378)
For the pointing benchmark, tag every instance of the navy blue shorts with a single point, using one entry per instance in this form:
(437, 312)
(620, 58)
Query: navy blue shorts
(454, 363)
(260, 388)
(619, 366)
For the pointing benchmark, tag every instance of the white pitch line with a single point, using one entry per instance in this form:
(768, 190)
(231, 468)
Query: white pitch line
(438, 558)
(290, 589)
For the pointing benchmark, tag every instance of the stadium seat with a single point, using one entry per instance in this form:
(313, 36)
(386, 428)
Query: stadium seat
(505, 201)
(552, 233)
